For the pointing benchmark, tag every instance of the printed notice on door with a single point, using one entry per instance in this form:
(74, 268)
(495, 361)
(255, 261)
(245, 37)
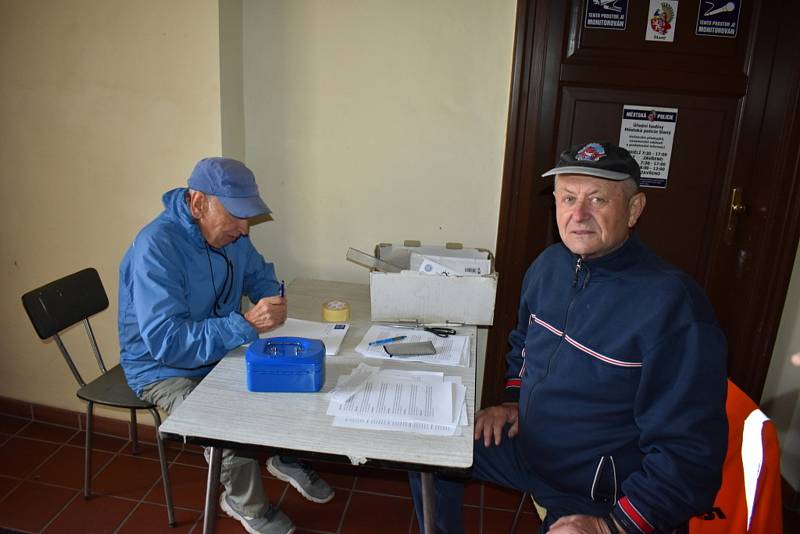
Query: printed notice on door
(647, 133)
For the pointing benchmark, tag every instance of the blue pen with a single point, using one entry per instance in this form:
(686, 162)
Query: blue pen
(282, 290)
(386, 340)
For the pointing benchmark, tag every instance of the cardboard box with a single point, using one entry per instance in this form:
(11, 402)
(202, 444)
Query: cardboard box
(431, 298)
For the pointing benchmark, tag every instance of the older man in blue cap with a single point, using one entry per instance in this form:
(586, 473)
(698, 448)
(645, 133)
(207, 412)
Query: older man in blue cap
(181, 284)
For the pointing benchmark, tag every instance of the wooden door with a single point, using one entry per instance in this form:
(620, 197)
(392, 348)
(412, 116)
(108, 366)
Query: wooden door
(738, 127)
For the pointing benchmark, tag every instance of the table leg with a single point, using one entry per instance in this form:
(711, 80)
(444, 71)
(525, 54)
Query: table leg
(428, 503)
(214, 466)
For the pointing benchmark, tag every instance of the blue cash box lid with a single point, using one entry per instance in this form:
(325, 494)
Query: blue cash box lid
(285, 364)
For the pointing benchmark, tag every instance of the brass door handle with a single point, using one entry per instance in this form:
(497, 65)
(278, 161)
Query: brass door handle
(735, 209)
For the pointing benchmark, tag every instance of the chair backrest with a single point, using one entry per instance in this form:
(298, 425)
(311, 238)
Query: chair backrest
(63, 303)
(749, 499)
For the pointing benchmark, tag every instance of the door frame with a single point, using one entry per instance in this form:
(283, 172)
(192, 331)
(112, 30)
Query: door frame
(531, 150)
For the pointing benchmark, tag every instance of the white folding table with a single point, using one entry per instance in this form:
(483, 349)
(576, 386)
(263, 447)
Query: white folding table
(222, 413)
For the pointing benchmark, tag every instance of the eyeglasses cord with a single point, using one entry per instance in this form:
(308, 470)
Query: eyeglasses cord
(227, 283)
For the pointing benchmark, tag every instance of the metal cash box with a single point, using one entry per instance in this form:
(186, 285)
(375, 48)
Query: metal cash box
(285, 364)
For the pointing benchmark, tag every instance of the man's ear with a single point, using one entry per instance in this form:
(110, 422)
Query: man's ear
(635, 208)
(198, 204)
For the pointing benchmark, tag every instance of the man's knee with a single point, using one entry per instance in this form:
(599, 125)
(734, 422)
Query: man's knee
(168, 394)
(233, 461)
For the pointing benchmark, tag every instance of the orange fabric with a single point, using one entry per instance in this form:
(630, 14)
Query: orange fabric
(730, 506)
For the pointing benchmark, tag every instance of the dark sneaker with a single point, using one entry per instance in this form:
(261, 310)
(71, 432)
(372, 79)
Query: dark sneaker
(303, 478)
(273, 522)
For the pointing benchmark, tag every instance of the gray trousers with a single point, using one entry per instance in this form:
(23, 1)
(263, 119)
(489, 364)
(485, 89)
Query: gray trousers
(240, 476)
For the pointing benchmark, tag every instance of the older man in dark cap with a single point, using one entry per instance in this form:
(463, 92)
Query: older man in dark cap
(181, 284)
(615, 414)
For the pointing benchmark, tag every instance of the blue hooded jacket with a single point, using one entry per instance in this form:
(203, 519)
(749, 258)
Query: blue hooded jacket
(169, 282)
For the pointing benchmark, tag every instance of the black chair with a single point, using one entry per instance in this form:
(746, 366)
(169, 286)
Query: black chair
(58, 305)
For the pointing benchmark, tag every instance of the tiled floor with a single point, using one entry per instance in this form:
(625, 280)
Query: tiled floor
(41, 475)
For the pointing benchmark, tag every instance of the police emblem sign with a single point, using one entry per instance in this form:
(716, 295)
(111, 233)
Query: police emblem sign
(662, 21)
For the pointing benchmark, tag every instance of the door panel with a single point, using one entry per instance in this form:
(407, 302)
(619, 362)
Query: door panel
(738, 126)
(696, 185)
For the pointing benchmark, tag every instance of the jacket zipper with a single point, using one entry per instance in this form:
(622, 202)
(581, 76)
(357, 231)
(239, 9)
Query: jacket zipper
(578, 267)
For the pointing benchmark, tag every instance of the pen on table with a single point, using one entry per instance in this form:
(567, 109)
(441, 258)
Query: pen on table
(386, 340)
(282, 290)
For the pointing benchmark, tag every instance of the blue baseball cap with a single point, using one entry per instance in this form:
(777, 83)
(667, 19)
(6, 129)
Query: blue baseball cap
(232, 183)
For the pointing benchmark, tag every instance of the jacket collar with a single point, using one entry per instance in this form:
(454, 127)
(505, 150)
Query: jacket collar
(176, 208)
(620, 259)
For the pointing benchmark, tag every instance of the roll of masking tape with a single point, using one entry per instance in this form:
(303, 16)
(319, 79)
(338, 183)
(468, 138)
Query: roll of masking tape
(335, 311)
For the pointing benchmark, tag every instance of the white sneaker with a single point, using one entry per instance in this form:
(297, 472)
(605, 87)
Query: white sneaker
(272, 522)
(304, 479)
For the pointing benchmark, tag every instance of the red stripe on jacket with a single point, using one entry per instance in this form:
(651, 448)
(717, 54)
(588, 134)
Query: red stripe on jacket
(634, 515)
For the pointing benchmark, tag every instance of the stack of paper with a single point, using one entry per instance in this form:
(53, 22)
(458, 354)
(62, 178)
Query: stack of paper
(424, 402)
(450, 350)
(331, 334)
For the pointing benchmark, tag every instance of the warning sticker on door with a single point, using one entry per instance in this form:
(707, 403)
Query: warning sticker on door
(606, 14)
(662, 20)
(647, 133)
(718, 19)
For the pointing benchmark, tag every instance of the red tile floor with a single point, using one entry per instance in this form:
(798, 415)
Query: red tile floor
(41, 475)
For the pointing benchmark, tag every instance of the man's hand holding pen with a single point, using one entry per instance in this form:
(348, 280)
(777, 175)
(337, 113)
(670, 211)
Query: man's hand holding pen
(268, 313)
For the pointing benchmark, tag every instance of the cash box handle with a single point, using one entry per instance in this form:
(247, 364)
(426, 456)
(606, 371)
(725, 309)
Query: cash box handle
(271, 348)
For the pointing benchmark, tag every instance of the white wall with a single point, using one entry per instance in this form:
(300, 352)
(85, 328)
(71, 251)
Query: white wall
(231, 78)
(104, 104)
(372, 122)
(366, 122)
(781, 397)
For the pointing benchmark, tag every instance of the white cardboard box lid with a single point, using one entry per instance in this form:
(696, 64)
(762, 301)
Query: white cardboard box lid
(400, 255)
(410, 296)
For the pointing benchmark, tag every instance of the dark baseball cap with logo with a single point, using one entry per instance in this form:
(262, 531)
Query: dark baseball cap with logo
(601, 159)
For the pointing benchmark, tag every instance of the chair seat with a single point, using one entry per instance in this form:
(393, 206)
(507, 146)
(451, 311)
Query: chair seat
(111, 389)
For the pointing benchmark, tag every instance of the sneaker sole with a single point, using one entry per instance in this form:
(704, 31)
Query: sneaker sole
(296, 485)
(223, 504)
